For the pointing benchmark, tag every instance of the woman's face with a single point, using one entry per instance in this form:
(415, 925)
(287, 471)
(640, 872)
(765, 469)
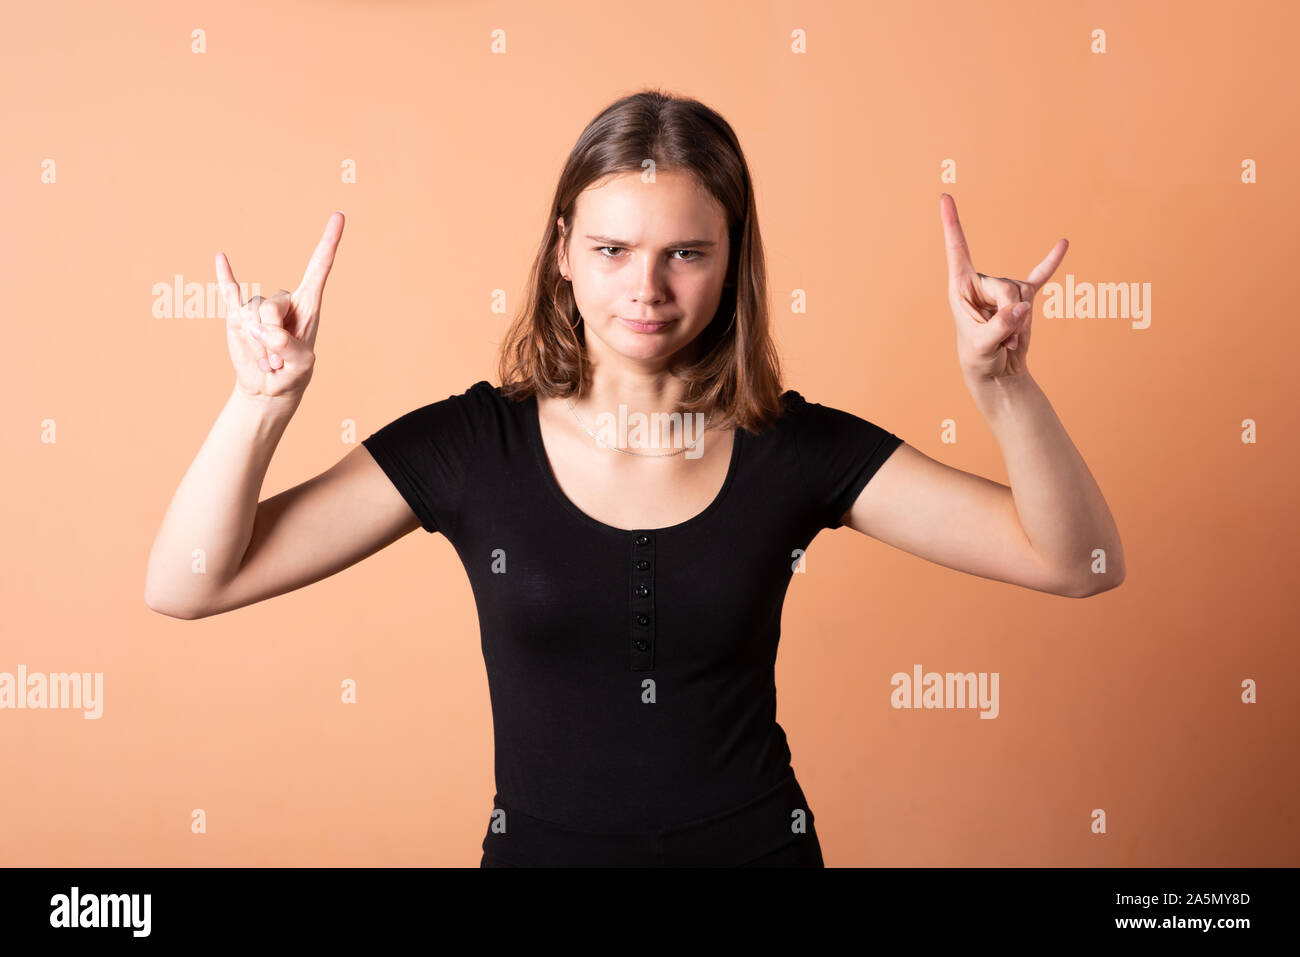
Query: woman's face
(650, 252)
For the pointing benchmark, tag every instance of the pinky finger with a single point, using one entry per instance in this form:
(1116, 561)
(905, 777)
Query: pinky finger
(263, 365)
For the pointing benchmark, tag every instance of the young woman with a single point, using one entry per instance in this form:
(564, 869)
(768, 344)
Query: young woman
(631, 502)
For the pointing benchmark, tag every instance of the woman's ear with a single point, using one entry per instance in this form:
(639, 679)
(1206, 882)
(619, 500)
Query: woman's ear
(561, 254)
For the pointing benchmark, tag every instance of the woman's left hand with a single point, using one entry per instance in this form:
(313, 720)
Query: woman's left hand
(992, 338)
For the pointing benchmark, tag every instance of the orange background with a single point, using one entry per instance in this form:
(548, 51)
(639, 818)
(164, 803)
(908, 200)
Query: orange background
(1129, 701)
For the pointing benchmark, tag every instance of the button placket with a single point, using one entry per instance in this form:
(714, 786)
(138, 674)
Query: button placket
(642, 626)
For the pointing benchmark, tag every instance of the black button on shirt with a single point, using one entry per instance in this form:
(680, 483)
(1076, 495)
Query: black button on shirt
(630, 671)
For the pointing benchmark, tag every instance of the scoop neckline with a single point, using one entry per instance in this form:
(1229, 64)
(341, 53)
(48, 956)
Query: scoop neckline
(532, 413)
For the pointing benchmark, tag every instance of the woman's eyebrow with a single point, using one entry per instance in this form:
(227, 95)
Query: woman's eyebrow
(680, 244)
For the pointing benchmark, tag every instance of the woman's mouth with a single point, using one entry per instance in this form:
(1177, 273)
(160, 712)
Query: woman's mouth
(638, 326)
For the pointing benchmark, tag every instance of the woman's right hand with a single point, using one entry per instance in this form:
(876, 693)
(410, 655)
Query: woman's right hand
(272, 341)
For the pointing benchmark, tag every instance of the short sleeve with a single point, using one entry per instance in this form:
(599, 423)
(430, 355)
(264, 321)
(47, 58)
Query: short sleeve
(427, 454)
(838, 453)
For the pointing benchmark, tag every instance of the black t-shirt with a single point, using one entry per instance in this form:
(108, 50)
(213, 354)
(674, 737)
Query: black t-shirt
(631, 672)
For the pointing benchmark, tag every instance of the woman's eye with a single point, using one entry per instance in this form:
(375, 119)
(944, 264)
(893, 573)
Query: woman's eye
(693, 253)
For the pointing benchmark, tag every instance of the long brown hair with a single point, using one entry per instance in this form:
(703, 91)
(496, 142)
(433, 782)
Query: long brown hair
(735, 378)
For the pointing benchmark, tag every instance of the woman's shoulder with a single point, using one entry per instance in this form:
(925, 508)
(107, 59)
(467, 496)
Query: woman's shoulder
(480, 397)
(798, 406)
(458, 415)
(481, 407)
(816, 420)
(485, 392)
(431, 451)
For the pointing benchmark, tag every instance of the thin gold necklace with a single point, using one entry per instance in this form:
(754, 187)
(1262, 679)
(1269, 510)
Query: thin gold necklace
(650, 455)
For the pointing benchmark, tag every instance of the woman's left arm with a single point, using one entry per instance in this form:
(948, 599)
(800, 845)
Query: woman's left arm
(1061, 509)
(1051, 530)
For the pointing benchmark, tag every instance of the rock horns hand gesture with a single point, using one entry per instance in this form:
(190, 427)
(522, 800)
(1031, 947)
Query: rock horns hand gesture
(993, 314)
(272, 341)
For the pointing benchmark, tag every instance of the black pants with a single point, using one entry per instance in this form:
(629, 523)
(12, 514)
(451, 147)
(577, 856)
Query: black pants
(774, 830)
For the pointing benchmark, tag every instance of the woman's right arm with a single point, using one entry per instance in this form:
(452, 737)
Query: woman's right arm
(219, 548)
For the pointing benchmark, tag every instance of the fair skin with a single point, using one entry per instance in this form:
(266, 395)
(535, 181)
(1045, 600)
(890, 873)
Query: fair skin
(256, 550)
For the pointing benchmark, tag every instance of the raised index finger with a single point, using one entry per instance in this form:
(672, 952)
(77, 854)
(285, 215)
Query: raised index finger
(313, 280)
(959, 264)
